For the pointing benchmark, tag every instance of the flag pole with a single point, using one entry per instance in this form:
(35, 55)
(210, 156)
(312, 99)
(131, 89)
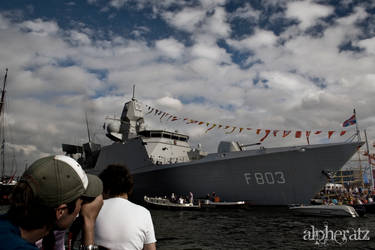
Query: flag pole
(369, 162)
(356, 126)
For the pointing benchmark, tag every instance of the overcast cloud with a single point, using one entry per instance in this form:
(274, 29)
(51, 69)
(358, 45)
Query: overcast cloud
(308, 73)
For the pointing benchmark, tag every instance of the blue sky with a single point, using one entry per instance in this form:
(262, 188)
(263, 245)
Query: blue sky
(299, 65)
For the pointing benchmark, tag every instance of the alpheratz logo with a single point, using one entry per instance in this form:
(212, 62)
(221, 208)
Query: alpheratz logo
(326, 236)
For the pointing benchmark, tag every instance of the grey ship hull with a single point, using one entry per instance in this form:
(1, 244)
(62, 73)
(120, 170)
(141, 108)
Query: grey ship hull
(274, 176)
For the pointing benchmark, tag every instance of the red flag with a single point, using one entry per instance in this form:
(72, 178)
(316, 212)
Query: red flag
(342, 132)
(226, 127)
(267, 133)
(275, 132)
(286, 133)
(330, 133)
(318, 132)
(174, 118)
(214, 125)
(200, 123)
(258, 131)
(298, 134)
(231, 131)
(308, 137)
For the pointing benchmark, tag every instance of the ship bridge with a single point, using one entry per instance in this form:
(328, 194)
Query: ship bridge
(166, 147)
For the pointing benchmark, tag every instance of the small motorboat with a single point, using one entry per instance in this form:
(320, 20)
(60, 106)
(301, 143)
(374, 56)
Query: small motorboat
(222, 204)
(325, 210)
(159, 202)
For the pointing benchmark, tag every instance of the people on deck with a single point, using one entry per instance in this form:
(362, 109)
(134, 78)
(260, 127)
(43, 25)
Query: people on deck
(122, 224)
(49, 197)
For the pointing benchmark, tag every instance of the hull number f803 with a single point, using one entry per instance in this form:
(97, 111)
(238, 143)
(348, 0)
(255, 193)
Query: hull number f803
(277, 177)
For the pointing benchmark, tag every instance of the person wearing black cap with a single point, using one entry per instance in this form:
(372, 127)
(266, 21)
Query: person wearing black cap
(49, 196)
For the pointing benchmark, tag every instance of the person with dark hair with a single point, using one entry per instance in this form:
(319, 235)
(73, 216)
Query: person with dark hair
(121, 224)
(49, 197)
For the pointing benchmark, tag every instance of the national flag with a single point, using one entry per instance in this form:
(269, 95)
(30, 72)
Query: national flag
(351, 121)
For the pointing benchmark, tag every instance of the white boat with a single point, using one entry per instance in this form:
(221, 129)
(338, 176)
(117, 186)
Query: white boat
(159, 202)
(222, 204)
(325, 210)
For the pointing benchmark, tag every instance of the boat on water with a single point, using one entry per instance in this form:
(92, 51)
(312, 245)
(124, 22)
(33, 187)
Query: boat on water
(325, 210)
(222, 204)
(163, 162)
(158, 202)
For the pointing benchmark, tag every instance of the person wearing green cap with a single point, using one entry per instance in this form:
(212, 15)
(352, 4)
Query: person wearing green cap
(49, 197)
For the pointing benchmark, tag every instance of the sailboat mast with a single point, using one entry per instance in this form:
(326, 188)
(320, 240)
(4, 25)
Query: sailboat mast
(2, 104)
(369, 162)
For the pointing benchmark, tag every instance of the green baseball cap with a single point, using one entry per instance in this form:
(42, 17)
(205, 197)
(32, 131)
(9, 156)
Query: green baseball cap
(59, 179)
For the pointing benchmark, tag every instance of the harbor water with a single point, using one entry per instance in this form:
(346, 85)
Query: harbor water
(258, 228)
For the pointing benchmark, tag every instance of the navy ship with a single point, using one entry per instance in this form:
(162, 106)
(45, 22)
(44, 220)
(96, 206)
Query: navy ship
(162, 162)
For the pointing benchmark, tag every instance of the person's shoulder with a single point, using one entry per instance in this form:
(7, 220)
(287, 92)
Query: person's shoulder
(139, 207)
(10, 237)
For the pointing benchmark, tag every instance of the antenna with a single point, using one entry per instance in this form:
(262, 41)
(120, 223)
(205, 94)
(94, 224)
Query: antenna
(87, 125)
(133, 93)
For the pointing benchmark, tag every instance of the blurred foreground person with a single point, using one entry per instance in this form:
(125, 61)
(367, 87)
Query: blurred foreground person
(49, 197)
(122, 224)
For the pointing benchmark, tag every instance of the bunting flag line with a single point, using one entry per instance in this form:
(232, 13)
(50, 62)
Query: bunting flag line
(258, 131)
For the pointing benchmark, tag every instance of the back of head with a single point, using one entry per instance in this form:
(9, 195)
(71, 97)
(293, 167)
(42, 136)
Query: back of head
(48, 183)
(117, 180)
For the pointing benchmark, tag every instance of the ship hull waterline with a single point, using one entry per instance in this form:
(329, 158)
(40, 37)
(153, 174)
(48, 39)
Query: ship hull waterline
(291, 175)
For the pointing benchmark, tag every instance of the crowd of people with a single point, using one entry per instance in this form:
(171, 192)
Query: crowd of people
(55, 194)
(346, 195)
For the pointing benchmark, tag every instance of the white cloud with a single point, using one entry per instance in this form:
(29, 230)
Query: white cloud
(117, 3)
(188, 19)
(307, 12)
(170, 102)
(39, 27)
(246, 12)
(260, 39)
(170, 48)
(79, 38)
(217, 23)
